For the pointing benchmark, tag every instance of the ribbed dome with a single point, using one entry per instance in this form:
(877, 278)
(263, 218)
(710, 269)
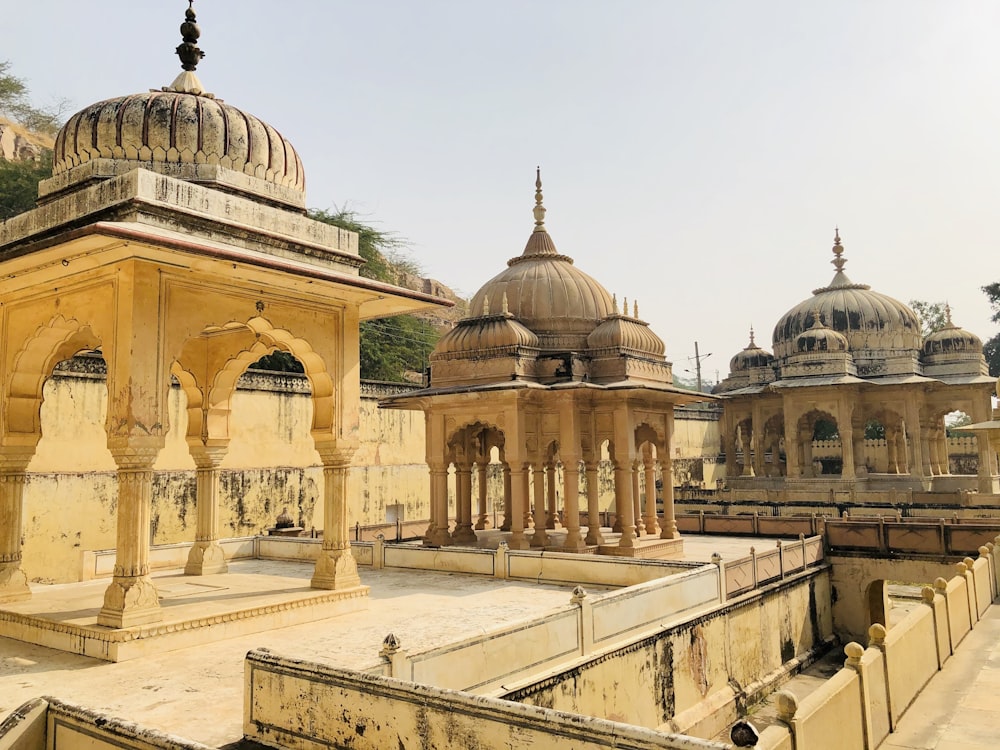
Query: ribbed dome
(170, 127)
(545, 291)
(751, 357)
(488, 333)
(952, 340)
(819, 338)
(869, 320)
(626, 333)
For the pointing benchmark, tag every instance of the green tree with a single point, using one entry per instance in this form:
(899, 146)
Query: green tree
(991, 349)
(390, 347)
(15, 103)
(19, 183)
(933, 315)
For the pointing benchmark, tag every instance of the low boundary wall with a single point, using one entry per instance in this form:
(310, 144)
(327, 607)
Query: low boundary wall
(304, 706)
(45, 723)
(861, 705)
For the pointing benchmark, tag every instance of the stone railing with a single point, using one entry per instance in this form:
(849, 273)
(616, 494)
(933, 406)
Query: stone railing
(761, 568)
(749, 524)
(890, 535)
(862, 704)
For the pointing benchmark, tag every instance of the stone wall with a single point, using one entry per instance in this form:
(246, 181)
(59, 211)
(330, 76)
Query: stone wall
(70, 491)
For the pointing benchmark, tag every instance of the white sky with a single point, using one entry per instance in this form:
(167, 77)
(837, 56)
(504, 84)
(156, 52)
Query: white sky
(696, 156)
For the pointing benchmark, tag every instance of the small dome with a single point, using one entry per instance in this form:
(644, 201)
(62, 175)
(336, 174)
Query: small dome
(751, 357)
(952, 340)
(819, 338)
(487, 333)
(868, 320)
(545, 291)
(170, 127)
(621, 332)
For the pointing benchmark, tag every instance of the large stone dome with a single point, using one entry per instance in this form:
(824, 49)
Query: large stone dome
(546, 292)
(180, 131)
(175, 128)
(871, 322)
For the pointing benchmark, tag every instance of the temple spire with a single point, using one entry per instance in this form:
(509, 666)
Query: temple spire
(838, 251)
(539, 210)
(190, 54)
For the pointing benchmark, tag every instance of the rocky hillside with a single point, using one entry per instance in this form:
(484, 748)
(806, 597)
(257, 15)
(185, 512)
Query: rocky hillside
(19, 144)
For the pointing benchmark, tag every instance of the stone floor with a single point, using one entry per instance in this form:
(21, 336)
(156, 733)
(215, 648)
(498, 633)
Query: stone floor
(960, 707)
(197, 692)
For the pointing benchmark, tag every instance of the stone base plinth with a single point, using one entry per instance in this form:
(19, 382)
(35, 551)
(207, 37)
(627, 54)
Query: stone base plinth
(654, 548)
(193, 612)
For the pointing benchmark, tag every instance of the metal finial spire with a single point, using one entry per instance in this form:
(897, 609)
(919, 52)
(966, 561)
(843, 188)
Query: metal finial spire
(752, 342)
(188, 50)
(947, 315)
(190, 54)
(539, 210)
(838, 251)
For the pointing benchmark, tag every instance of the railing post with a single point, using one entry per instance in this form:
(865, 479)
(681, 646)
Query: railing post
(500, 561)
(378, 552)
(717, 559)
(753, 565)
(802, 541)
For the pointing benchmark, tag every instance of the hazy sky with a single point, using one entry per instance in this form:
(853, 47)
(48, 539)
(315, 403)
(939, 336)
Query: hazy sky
(696, 156)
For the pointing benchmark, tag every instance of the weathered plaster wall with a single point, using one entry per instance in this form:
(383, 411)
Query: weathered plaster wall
(692, 676)
(69, 496)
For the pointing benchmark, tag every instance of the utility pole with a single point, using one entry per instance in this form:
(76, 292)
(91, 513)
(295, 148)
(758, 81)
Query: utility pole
(697, 363)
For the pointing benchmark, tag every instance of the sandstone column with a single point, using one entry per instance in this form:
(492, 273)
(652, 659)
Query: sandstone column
(437, 532)
(463, 505)
(206, 556)
(668, 524)
(482, 475)
(518, 504)
(335, 567)
(13, 581)
(571, 503)
(131, 599)
(540, 538)
(594, 535)
(636, 498)
(650, 478)
(507, 502)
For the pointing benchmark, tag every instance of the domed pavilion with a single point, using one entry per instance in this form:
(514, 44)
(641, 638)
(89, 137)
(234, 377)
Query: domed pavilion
(173, 238)
(849, 361)
(547, 372)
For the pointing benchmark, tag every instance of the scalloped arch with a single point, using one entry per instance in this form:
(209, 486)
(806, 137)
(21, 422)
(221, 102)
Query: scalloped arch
(51, 343)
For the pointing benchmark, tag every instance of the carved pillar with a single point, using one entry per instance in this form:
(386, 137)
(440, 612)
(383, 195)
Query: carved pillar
(131, 599)
(845, 425)
(519, 504)
(650, 477)
(806, 445)
(540, 538)
(892, 450)
(793, 461)
(206, 556)
(482, 475)
(507, 512)
(668, 523)
(13, 581)
(571, 503)
(463, 533)
(439, 536)
(594, 535)
(858, 439)
(552, 512)
(335, 567)
(636, 498)
(945, 459)
(925, 448)
(987, 457)
(933, 450)
(529, 519)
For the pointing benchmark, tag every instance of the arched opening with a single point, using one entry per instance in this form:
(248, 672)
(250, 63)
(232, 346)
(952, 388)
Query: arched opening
(822, 452)
(961, 448)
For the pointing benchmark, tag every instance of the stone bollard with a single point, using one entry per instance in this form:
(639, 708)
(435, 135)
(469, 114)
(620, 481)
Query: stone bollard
(876, 637)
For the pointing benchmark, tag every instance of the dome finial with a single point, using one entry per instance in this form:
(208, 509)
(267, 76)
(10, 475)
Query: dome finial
(838, 251)
(486, 305)
(539, 210)
(635, 309)
(504, 309)
(190, 54)
(752, 342)
(947, 316)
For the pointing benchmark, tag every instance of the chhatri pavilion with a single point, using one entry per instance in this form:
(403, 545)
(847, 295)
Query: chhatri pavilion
(855, 359)
(173, 237)
(549, 374)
